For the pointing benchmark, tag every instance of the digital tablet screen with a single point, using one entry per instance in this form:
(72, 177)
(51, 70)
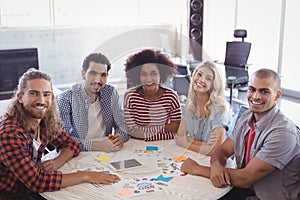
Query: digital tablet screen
(125, 164)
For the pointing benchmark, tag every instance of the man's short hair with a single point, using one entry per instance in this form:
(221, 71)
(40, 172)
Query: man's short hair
(97, 58)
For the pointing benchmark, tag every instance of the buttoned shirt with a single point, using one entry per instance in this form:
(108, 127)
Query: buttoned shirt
(74, 105)
(201, 129)
(17, 166)
(276, 142)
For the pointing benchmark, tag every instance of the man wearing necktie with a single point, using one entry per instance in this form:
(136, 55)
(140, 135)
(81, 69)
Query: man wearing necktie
(266, 145)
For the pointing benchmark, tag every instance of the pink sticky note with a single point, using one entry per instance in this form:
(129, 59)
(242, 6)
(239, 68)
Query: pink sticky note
(126, 191)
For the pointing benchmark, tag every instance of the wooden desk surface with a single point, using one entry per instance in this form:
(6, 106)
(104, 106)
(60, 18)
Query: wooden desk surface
(185, 187)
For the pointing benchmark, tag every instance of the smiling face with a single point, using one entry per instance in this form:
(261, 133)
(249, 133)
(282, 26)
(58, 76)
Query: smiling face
(95, 78)
(262, 96)
(150, 76)
(203, 80)
(36, 98)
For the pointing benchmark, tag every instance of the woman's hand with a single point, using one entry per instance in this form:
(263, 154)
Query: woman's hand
(136, 133)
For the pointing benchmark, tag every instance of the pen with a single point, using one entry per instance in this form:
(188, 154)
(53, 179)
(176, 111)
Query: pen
(113, 132)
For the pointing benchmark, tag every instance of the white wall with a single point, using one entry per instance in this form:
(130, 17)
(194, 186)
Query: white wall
(62, 50)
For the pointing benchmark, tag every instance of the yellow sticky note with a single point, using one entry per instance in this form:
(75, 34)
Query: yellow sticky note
(104, 158)
(148, 151)
(179, 159)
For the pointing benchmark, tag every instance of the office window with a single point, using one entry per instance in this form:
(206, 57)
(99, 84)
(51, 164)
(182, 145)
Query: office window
(218, 27)
(161, 12)
(25, 13)
(96, 12)
(262, 21)
(291, 44)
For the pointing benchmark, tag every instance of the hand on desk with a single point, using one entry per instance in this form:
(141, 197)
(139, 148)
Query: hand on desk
(190, 166)
(112, 143)
(219, 175)
(88, 177)
(117, 142)
(100, 177)
(136, 133)
(183, 141)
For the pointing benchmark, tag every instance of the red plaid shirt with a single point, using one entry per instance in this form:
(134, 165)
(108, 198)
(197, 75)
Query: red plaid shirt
(16, 164)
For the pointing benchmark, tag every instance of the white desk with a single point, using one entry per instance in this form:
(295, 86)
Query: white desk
(185, 187)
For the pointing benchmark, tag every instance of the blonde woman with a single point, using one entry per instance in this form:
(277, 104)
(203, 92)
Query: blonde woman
(205, 116)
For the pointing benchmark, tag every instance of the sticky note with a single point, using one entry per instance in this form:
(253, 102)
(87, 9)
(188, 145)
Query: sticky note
(104, 158)
(164, 179)
(151, 148)
(126, 191)
(179, 159)
(148, 151)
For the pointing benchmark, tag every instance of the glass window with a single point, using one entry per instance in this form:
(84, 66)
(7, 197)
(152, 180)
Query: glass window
(261, 19)
(217, 29)
(21, 13)
(290, 63)
(96, 12)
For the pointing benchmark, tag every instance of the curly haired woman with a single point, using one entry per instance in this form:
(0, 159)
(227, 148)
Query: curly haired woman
(152, 112)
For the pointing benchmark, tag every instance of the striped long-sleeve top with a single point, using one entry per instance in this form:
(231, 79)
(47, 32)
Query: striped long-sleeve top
(152, 115)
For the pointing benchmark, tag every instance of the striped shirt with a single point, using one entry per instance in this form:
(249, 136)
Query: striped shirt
(152, 115)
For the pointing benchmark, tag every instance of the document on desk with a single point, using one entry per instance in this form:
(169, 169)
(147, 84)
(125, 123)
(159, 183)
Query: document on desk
(144, 185)
(127, 164)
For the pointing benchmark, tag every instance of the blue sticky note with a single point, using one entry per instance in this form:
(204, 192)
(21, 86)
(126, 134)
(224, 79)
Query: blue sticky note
(164, 179)
(151, 148)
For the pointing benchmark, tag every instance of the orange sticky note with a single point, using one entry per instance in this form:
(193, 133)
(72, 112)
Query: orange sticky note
(104, 158)
(126, 191)
(179, 159)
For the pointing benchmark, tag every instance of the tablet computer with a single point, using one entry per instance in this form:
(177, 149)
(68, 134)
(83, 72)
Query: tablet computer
(125, 164)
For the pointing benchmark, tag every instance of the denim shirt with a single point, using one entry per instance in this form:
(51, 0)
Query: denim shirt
(201, 129)
(74, 105)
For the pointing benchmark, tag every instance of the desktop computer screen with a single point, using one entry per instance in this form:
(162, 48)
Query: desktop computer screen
(13, 63)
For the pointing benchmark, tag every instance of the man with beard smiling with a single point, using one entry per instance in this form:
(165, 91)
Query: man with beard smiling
(30, 125)
(266, 145)
(91, 110)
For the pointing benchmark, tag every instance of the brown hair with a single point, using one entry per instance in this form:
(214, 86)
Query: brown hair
(51, 123)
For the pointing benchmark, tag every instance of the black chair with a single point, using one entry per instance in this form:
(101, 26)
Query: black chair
(242, 109)
(236, 68)
(181, 84)
(182, 69)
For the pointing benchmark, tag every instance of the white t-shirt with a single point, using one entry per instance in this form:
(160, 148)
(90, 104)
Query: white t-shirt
(96, 128)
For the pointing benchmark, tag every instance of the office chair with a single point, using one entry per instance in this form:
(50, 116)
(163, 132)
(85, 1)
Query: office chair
(236, 69)
(182, 69)
(181, 84)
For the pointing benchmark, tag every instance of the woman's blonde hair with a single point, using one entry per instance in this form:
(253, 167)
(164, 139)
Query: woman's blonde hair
(216, 93)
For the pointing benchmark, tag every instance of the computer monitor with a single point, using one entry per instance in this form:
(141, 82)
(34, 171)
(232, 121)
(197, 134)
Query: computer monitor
(13, 64)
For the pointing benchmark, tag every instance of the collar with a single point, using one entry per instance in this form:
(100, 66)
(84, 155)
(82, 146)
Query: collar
(266, 120)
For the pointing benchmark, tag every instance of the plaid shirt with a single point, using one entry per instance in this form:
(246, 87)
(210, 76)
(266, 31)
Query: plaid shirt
(17, 168)
(74, 105)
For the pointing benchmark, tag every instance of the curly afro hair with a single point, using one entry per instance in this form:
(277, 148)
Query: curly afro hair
(134, 64)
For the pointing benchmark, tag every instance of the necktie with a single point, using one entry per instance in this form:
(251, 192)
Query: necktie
(249, 143)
